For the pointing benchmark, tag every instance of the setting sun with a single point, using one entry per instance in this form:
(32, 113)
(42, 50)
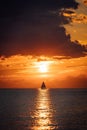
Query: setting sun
(43, 67)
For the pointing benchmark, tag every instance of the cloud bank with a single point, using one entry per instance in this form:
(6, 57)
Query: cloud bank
(36, 28)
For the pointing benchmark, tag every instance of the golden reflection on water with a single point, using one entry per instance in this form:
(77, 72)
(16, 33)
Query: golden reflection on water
(43, 111)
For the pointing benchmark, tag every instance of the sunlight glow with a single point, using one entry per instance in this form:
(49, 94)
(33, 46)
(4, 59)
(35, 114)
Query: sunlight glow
(31, 70)
(43, 67)
(43, 112)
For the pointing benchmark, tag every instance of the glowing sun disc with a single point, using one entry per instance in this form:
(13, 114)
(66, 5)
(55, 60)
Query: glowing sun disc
(43, 67)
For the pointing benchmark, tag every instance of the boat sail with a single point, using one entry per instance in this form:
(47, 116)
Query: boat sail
(43, 86)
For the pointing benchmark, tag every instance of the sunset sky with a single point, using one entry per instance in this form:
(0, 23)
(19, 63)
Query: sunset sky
(43, 40)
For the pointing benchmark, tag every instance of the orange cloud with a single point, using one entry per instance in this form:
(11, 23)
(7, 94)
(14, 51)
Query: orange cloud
(85, 2)
(74, 17)
(80, 18)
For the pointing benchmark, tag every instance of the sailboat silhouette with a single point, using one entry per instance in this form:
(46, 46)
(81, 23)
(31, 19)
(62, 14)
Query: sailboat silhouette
(43, 86)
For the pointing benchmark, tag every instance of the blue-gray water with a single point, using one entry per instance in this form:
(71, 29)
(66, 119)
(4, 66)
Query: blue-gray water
(50, 109)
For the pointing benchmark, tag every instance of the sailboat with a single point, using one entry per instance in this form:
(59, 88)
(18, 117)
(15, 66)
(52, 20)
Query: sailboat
(43, 86)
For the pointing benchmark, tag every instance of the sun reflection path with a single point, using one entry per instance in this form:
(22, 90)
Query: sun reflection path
(43, 113)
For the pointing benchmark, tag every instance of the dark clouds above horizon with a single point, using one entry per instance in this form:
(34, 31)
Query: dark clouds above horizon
(36, 27)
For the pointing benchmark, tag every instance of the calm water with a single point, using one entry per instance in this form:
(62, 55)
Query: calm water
(51, 109)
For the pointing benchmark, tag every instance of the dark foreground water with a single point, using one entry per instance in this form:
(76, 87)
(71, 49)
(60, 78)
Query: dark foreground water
(50, 109)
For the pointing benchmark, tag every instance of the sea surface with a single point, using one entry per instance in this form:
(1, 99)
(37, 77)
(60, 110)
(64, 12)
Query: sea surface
(36, 109)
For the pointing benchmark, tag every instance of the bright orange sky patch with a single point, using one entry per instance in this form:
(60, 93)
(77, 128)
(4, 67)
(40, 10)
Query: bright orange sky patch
(33, 70)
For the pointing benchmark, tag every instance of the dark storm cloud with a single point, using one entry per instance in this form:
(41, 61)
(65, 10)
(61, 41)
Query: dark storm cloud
(30, 27)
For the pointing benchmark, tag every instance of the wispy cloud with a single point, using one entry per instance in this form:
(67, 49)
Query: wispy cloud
(74, 17)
